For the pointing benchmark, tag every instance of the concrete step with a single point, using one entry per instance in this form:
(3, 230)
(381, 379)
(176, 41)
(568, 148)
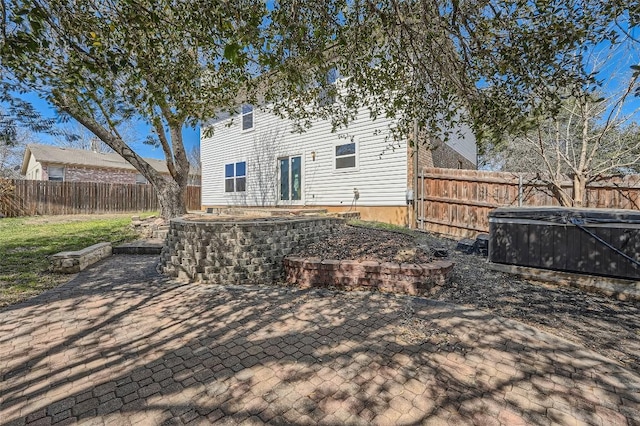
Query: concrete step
(160, 234)
(151, 246)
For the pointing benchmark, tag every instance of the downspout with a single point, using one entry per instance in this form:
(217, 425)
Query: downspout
(414, 223)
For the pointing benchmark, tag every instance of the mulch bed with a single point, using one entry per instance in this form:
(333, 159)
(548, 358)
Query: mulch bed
(359, 243)
(605, 325)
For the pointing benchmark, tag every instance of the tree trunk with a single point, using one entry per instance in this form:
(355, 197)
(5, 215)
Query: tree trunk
(170, 197)
(579, 190)
(170, 191)
(559, 194)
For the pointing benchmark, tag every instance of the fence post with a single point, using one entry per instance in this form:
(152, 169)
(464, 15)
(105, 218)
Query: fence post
(520, 191)
(422, 200)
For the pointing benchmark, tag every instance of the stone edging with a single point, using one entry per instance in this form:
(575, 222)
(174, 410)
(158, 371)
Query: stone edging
(406, 278)
(71, 262)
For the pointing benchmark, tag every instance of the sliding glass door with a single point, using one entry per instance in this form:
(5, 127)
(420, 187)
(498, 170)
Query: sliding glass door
(290, 178)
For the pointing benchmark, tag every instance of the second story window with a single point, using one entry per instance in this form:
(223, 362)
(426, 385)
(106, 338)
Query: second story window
(247, 117)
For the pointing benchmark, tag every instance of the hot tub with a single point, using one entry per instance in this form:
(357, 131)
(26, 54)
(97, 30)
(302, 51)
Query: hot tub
(590, 241)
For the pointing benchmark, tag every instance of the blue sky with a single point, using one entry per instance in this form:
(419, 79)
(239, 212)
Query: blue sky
(138, 133)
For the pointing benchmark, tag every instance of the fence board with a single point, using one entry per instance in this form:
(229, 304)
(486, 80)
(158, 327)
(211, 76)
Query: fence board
(457, 202)
(31, 197)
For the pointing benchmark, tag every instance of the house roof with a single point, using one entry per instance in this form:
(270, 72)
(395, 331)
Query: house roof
(79, 157)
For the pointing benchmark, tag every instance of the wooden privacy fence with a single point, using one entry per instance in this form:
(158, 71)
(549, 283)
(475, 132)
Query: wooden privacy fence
(457, 202)
(31, 197)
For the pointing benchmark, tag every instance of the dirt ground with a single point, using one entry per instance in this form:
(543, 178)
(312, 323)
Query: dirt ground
(605, 325)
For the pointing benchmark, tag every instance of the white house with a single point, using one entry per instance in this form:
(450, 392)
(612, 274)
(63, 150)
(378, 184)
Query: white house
(254, 159)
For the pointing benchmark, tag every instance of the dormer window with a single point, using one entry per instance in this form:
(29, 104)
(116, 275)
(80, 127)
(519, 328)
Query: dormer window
(247, 117)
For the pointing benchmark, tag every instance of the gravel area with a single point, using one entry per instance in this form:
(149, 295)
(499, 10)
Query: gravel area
(605, 325)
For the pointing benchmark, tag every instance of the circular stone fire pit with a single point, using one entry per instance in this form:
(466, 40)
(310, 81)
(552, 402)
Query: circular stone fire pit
(240, 250)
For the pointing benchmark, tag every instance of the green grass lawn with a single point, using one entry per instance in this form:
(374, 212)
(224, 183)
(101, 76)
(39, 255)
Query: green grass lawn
(25, 244)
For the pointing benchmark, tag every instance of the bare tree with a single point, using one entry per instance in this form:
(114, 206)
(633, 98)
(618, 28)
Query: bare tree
(11, 154)
(10, 157)
(594, 135)
(194, 160)
(263, 168)
(82, 139)
(580, 145)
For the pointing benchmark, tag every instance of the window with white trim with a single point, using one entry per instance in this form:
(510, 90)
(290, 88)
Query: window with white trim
(247, 117)
(346, 156)
(141, 180)
(235, 177)
(56, 173)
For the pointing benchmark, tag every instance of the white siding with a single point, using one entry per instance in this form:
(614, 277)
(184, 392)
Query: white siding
(464, 142)
(380, 178)
(34, 169)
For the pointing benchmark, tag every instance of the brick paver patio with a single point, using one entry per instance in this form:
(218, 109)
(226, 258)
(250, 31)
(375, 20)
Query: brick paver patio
(121, 345)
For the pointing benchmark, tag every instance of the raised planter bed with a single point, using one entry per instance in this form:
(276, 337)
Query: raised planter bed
(405, 278)
(238, 250)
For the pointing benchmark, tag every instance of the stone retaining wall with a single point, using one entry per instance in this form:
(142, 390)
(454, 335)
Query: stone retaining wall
(407, 278)
(71, 262)
(244, 251)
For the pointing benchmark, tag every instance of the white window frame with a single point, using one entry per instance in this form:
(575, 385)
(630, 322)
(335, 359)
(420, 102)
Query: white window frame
(235, 177)
(61, 177)
(355, 155)
(141, 180)
(249, 112)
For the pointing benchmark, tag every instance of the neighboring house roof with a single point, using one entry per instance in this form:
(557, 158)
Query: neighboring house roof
(83, 158)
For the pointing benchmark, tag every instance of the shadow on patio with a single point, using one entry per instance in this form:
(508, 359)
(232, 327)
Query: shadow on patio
(121, 344)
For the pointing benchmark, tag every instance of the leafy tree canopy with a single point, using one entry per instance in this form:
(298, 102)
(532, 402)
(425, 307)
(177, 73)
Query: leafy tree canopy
(494, 63)
(106, 63)
(501, 62)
